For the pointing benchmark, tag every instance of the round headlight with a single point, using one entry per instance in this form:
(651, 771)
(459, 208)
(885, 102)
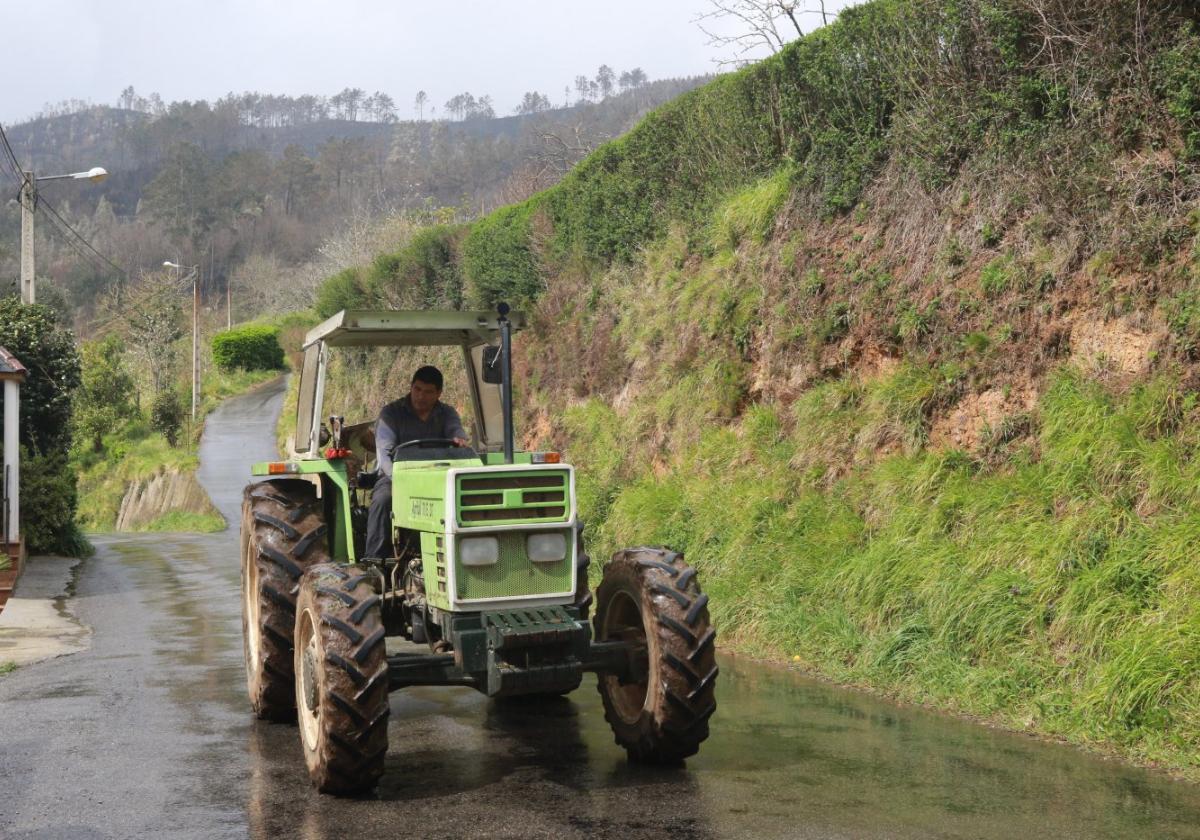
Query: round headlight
(546, 548)
(479, 551)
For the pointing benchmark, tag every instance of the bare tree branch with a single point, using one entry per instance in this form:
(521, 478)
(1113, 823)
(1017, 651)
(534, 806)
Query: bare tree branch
(755, 24)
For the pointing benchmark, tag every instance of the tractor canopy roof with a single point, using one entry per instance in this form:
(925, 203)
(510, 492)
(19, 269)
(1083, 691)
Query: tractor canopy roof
(410, 328)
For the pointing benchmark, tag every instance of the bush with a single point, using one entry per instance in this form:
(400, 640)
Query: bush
(31, 332)
(48, 502)
(252, 347)
(345, 290)
(424, 273)
(105, 396)
(166, 415)
(498, 257)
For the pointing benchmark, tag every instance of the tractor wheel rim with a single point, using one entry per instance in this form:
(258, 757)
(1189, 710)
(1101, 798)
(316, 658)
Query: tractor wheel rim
(308, 705)
(623, 620)
(251, 607)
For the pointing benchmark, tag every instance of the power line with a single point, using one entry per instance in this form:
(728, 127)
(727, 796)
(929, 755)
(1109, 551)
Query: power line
(11, 156)
(70, 242)
(50, 208)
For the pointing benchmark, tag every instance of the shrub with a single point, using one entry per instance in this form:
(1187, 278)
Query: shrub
(250, 347)
(105, 395)
(345, 290)
(31, 332)
(166, 415)
(48, 503)
(498, 257)
(425, 272)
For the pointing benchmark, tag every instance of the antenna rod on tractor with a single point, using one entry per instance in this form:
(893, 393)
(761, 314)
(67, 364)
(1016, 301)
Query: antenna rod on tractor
(506, 379)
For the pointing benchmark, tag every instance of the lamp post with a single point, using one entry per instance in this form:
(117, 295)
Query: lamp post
(195, 329)
(28, 204)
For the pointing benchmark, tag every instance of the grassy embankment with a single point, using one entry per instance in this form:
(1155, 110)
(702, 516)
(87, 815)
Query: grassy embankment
(896, 335)
(135, 452)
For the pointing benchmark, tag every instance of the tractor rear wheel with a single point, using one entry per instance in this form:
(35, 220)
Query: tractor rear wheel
(283, 533)
(649, 597)
(341, 678)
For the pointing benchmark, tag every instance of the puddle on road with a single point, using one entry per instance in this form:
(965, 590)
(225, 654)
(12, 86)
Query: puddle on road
(788, 757)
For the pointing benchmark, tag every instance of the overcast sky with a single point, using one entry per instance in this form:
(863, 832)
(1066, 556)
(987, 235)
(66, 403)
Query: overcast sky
(203, 49)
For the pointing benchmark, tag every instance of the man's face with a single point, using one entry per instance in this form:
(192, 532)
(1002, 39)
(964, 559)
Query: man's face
(423, 396)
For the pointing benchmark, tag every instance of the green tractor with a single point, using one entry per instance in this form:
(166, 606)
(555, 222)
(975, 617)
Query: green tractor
(487, 581)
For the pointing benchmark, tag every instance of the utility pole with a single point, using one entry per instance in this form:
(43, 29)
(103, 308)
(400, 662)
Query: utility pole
(28, 197)
(228, 303)
(195, 341)
(28, 205)
(195, 329)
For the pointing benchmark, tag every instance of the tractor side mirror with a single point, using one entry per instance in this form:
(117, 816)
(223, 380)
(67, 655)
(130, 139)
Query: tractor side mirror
(492, 372)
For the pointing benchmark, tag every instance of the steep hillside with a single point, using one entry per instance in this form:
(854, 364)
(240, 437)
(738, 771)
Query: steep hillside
(896, 335)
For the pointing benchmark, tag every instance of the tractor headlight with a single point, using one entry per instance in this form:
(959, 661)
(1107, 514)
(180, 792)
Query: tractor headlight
(546, 548)
(479, 551)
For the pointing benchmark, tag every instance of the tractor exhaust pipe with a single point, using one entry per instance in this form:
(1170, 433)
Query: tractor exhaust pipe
(506, 379)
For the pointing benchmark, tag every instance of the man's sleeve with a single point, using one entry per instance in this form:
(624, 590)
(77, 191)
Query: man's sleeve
(385, 440)
(453, 424)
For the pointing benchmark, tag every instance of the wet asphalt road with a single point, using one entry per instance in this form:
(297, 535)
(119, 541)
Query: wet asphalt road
(148, 734)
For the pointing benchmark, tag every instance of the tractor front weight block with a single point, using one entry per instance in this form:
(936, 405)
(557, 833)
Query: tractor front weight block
(543, 650)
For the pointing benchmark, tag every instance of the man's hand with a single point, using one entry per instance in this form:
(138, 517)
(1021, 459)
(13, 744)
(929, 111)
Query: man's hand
(460, 441)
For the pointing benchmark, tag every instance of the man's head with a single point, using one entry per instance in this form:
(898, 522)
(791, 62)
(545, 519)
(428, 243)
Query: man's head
(426, 388)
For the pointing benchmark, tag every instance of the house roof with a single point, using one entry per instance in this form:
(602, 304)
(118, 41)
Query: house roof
(11, 367)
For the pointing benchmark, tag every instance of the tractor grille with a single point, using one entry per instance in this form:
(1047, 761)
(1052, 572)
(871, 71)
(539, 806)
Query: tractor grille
(527, 497)
(515, 575)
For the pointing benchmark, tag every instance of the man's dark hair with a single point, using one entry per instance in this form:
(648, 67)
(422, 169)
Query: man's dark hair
(429, 375)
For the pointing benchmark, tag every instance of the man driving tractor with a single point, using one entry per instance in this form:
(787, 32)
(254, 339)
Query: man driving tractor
(421, 415)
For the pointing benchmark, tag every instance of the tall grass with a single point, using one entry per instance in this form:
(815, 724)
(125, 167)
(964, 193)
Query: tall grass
(1056, 591)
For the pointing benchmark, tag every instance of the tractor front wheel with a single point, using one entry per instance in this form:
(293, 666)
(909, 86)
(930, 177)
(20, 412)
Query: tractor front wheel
(341, 679)
(283, 533)
(649, 598)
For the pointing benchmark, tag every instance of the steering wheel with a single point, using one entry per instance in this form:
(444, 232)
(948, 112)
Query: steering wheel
(428, 443)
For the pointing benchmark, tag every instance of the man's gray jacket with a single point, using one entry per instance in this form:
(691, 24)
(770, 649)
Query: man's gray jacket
(398, 423)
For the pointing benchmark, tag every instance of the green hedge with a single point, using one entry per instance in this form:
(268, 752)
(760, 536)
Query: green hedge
(919, 85)
(251, 347)
(426, 273)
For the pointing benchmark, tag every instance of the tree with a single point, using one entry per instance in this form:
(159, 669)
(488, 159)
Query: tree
(180, 195)
(297, 175)
(105, 394)
(127, 97)
(385, 107)
(337, 160)
(583, 85)
(32, 333)
(483, 109)
(605, 79)
(462, 105)
(756, 24)
(166, 415)
(533, 103)
(154, 322)
(419, 104)
(351, 101)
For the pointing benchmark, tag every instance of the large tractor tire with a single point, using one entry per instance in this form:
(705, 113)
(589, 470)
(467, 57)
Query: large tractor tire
(283, 533)
(583, 594)
(341, 679)
(650, 597)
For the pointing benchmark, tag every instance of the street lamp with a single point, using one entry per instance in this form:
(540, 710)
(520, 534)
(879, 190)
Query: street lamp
(195, 328)
(28, 204)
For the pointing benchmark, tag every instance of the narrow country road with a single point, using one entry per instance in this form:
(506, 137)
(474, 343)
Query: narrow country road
(148, 734)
